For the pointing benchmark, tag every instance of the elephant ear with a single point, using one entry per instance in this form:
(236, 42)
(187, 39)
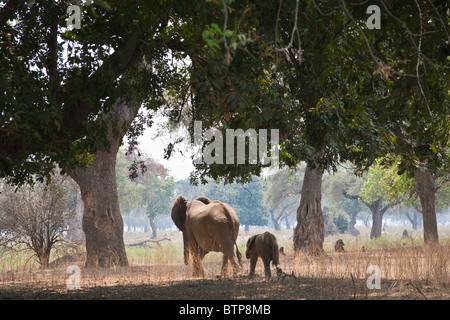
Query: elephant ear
(179, 212)
(203, 199)
(250, 242)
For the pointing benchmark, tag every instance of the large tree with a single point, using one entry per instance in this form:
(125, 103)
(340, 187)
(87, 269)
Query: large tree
(69, 95)
(341, 91)
(102, 220)
(335, 90)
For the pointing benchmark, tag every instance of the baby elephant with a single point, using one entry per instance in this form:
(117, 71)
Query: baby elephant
(264, 245)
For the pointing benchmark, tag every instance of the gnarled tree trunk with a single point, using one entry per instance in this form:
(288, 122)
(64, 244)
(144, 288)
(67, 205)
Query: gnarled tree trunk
(102, 221)
(427, 195)
(309, 232)
(414, 221)
(351, 224)
(377, 219)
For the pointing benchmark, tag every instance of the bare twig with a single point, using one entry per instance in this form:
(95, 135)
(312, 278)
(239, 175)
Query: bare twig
(294, 29)
(412, 34)
(354, 286)
(225, 23)
(320, 11)
(7, 11)
(418, 60)
(366, 41)
(418, 290)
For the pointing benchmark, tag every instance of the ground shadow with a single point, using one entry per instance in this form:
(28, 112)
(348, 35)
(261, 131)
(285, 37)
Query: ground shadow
(277, 288)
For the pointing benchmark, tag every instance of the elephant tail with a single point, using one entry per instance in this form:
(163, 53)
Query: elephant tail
(238, 255)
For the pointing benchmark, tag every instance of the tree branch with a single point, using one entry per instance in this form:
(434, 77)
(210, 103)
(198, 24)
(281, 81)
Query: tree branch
(52, 58)
(348, 196)
(7, 12)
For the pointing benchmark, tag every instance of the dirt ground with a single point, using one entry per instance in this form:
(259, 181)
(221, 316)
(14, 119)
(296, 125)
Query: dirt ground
(131, 283)
(407, 274)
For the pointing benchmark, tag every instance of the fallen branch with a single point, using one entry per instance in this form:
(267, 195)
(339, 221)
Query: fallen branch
(142, 243)
(418, 290)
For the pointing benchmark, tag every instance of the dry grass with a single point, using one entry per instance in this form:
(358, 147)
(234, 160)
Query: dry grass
(408, 271)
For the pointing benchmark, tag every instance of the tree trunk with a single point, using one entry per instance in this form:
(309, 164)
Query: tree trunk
(377, 217)
(275, 222)
(153, 226)
(377, 223)
(286, 221)
(351, 224)
(102, 221)
(309, 231)
(413, 220)
(427, 195)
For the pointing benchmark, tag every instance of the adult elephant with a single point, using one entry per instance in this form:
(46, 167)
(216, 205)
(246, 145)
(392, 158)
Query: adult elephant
(207, 226)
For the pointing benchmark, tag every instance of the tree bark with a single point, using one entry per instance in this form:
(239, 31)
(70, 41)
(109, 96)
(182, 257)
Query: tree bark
(351, 224)
(377, 224)
(102, 220)
(427, 195)
(153, 226)
(286, 221)
(377, 217)
(276, 224)
(309, 231)
(413, 220)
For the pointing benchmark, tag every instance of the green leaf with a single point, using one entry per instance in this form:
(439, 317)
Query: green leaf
(433, 148)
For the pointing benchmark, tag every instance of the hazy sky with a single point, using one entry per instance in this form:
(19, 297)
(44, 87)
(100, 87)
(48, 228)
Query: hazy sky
(179, 167)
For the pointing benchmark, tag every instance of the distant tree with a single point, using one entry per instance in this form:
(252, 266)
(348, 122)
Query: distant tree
(36, 216)
(158, 194)
(335, 220)
(130, 193)
(149, 188)
(249, 203)
(343, 187)
(282, 192)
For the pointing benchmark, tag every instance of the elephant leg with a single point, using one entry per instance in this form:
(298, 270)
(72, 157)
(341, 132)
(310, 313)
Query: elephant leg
(228, 251)
(197, 256)
(236, 267)
(253, 260)
(198, 266)
(224, 266)
(267, 268)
